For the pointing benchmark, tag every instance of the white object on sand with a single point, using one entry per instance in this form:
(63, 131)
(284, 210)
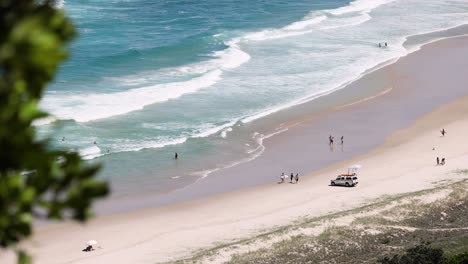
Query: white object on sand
(353, 168)
(91, 242)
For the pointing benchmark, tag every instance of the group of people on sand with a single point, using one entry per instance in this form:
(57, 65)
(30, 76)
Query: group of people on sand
(292, 178)
(438, 160)
(331, 140)
(382, 45)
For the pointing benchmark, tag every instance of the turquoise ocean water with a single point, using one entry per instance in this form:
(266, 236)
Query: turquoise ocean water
(147, 78)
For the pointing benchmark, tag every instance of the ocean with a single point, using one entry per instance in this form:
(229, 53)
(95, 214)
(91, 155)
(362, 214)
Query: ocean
(148, 78)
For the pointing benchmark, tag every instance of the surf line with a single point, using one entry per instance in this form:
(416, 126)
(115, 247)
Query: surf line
(365, 99)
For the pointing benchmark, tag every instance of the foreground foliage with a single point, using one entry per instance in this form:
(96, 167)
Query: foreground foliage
(35, 181)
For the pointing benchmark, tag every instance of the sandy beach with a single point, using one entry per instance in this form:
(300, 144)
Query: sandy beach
(394, 134)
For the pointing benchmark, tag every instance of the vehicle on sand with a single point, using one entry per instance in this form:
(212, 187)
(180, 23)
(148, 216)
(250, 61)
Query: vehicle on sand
(349, 179)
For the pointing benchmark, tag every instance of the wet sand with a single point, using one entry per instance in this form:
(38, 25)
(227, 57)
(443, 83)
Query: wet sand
(428, 92)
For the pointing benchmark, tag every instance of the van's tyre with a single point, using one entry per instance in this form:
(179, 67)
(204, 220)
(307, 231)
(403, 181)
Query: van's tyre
(333, 183)
(347, 184)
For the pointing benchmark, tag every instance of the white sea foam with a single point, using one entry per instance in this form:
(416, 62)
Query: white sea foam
(149, 143)
(301, 100)
(225, 131)
(305, 23)
(44, 121)
(140, 144)
(88, 107)
(359, 6)
(213, 130)
(253, 153)
(347, 22)
(90, 152)
(295, 29)
(318, 20)
(233, 56)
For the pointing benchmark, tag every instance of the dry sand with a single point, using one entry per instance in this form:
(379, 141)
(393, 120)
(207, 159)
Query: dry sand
(404, 163)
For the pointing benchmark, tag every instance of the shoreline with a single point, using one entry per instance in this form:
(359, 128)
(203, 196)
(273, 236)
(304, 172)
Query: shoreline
(403, 159)
(371, 85)
(163, 176)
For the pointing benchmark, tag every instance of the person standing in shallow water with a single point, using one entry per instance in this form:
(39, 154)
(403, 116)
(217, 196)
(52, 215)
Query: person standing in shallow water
(342, 140)
(176, 155)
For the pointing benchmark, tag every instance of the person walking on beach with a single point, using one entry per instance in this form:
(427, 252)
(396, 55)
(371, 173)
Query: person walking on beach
(330, 139)
(385, 44)
(438, 163)
(443, 132)
(176, 155)
(296, 178)
(442, 162)
(292, 177)
(342, 140)
(282, 177)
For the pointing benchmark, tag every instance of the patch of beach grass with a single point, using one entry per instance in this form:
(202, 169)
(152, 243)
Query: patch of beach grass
(388, 226)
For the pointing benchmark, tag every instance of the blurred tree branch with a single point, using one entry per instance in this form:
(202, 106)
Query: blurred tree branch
(33, 177)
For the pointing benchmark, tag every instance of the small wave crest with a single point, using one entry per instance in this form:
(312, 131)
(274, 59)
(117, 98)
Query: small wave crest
(324, 19)
(252, 153)
(88, 107)
(295, 29)
(127, 145)
(305, 23)
(359, 6)
(90, 152)
(44, 121)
